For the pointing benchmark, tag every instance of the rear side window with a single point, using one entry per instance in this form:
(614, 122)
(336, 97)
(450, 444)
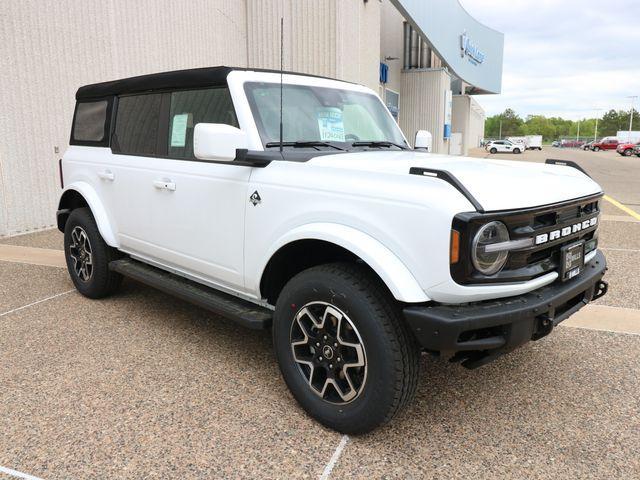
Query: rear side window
(137, 125)
(190, 107)
(90, 122)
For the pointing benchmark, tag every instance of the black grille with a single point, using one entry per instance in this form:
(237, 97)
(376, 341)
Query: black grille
(534, 261)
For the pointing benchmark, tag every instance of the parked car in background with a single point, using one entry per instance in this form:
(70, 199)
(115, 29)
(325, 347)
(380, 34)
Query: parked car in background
(504, 146)
(571, 143)
(626, 149)
(587, 146)
(607, 143)
(555, 143)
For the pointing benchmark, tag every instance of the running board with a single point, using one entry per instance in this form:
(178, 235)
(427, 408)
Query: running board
(241, 311)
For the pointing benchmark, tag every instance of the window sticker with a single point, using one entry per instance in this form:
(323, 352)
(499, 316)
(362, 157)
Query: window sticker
(179, 130)
(330, 124)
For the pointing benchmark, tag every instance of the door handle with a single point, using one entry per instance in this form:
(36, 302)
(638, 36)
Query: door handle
(164, 185)
(107, 175)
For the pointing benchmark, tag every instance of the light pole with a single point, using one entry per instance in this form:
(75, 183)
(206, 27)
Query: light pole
(578, 134)
(500, 134)
(595, 133)
(633, 99)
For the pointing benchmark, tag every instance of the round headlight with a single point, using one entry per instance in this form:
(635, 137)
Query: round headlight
(489, 263)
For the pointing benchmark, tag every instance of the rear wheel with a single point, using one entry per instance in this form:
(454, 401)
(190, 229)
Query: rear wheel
(628, 152)
(516, 150)
(88, 256)
(343, 348)
(493, 150)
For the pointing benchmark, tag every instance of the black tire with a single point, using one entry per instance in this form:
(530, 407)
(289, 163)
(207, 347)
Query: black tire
(493, 150)
(516, 150)
(390, 350)
(98, 281)
(596, 149)
(628, 152)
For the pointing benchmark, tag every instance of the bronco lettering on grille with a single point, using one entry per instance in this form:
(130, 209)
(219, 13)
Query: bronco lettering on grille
(565, 231)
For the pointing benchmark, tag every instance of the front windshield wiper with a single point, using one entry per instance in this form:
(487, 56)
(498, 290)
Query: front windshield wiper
(303, 144)
(379, 144)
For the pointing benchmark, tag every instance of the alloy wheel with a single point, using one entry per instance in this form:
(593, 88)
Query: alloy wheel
(329, 352)
(81, 254)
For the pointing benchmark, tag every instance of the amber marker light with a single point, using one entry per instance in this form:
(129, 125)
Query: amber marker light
(455, 247)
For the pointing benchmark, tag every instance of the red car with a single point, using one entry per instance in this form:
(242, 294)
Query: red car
(607, 143)
(626, 149)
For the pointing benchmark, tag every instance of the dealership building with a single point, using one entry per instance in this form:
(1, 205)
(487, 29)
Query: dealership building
(427, 59)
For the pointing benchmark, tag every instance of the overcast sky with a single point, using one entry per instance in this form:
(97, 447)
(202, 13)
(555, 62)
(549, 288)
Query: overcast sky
(564, 57)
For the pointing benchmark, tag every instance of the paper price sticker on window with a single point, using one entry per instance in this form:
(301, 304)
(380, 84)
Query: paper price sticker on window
(330, 124)
(179, 130)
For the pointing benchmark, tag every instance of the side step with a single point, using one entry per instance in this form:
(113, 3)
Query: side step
(241, 311)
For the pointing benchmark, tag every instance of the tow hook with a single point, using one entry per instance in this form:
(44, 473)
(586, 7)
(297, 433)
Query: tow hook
(543, 327)
(600, 290)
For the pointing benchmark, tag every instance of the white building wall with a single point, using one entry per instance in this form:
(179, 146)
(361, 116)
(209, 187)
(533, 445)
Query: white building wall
(477, 118)
(392, 43)
(333, 38)
(468, 118)
(51, 47)
(422, 101)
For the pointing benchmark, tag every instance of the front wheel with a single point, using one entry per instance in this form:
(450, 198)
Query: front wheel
(596, 149)
(343, 348)
(493, 150)
(88, 256)
(516, 150)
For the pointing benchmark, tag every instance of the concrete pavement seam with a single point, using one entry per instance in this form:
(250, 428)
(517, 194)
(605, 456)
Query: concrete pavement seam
(17, 474)
(36, 302)
(326, 473)
(625, 209)
(620, 249)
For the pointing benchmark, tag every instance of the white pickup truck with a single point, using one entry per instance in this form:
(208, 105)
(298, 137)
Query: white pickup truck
(295, 203)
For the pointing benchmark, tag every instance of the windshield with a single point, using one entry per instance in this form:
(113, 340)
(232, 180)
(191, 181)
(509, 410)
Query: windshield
(317, 117)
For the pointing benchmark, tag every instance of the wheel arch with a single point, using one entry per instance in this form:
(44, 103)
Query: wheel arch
(79, 195)
(317, 244)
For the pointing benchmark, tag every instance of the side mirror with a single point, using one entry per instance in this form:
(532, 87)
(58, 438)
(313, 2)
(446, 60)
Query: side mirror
(423, 140)
(217, 141)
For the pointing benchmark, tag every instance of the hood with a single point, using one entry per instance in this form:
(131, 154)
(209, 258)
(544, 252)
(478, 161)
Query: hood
(495, 184)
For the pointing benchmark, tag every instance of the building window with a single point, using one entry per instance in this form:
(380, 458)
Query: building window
(137, 126)
(188, 108)
(392, 101)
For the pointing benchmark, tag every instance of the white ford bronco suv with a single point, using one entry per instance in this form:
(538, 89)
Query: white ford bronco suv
(295, 203)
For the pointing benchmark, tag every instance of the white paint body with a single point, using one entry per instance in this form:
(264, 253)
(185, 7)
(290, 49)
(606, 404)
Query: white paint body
(195, 218)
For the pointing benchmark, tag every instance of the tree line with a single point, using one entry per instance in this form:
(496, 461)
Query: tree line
(509, 124)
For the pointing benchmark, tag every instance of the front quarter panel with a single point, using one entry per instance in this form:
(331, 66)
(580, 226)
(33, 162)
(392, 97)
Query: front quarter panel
(400, 225)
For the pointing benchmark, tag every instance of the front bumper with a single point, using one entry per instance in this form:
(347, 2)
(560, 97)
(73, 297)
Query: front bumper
(480, 332)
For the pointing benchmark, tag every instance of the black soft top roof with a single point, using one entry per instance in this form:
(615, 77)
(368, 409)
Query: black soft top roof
(191, 78)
